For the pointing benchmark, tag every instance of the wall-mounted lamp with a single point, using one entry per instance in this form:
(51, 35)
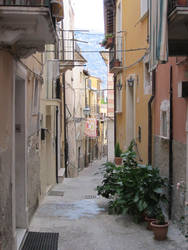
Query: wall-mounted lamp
(130, 81)
(119, 85)
(86, 111)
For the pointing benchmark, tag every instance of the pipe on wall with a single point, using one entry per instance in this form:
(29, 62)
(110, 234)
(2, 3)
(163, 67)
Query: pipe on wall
(115, 104)
(65, 131)
(170, 192)
(150, 123)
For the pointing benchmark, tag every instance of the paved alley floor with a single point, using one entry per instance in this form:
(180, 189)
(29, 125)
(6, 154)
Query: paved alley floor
(75, 211)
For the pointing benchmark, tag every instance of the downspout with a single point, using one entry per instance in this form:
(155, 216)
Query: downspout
(65, 132)
(57, 148)
(171, 145)
(150, 125)
(115, 103)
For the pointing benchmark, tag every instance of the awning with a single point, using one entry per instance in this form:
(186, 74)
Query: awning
(158, 10)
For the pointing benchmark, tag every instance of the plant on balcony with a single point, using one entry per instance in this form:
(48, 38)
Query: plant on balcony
(116, 63)
(108, 41)
(103, 43)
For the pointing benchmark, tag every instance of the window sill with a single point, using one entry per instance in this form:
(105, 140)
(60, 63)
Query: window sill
(119, 112)
(163, 138)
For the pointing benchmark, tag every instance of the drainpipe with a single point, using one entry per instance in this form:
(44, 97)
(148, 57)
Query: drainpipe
(150, 125)
(171, 146)
(57, 146)
(115, 126)
(65, 132)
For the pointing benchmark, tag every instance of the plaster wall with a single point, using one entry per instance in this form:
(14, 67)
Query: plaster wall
(161, 146)
(110, 136)
(180, 73)
(134, 36)
(7, 222)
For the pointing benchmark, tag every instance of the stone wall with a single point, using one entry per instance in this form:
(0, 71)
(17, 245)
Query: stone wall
(33, 165)
(6, 150)
(161, 160)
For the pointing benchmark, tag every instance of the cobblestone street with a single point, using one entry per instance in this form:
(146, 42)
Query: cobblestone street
(75, 211)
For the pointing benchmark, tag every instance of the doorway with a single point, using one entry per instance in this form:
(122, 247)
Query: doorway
(130, 113)
(20, 160)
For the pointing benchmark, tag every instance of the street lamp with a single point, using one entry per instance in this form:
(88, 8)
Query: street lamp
(130, 81)
(119, 86)
(86, 111)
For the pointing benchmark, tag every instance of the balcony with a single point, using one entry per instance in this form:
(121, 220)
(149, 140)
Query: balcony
(115, 66)
(178, 27)
(27, 25)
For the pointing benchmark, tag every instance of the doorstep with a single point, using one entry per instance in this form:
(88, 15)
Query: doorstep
(61, 175)
(20, 234)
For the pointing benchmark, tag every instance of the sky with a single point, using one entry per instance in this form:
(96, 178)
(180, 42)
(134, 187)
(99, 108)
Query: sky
(89, 15)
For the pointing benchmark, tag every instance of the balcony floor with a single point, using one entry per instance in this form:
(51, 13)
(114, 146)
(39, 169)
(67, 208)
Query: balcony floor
(26, 30)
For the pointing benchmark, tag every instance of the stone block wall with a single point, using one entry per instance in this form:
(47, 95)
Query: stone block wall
(33, 166)
(161, 160)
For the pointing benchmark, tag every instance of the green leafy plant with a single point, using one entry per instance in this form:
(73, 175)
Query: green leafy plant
(118, 151)
(104, 41)
(134, 189)
(109, 35)
(110, 181)
(160, 218)
(129, 157)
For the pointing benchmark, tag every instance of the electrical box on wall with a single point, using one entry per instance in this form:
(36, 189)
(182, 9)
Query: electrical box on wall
(183, 89)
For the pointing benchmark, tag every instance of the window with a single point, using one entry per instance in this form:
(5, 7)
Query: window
(147, 80)
(119, 98)
(119, 32)
(143, 7)
(164, 119)
(35, 96)
(89, 83)
(164, 123)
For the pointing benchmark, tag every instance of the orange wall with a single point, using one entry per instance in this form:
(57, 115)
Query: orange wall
(162, 93)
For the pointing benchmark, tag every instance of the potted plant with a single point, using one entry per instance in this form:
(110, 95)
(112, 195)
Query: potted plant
(118, 152)
(104, 42)
(110, 40)
(160, 227)
(150, 215)
(117, 63)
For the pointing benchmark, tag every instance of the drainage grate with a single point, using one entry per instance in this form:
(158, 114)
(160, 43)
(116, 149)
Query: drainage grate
(41, 241)
(55, 193)
(88, 197)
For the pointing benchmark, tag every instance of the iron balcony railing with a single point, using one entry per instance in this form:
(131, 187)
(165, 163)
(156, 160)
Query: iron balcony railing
(172, 4)
(26, 3)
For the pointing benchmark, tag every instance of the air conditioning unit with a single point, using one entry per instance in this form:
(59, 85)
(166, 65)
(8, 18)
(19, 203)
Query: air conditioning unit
(183, 89)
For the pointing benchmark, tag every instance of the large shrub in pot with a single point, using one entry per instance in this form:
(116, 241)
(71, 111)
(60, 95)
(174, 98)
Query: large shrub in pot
(132, 188)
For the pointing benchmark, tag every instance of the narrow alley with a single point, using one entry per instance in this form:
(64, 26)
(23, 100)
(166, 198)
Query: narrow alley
(74, 210)
(93, 125)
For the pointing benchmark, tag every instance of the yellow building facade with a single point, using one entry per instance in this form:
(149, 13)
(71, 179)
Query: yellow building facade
(136, 87)
(131, 76)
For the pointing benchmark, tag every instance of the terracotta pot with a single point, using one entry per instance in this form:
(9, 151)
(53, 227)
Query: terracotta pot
(160, 231)
(109, 43)
(149, 220)
(118, 160)
(116, 63)
(182, 3)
